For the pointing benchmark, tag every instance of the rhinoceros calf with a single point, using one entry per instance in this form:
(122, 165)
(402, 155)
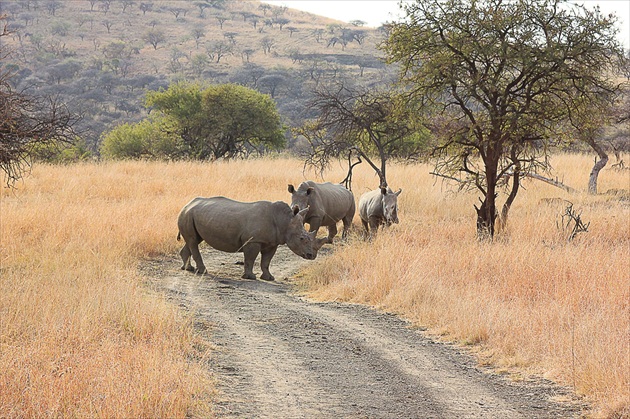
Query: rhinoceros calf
(378, 207)
(248, 227)
(328, 203)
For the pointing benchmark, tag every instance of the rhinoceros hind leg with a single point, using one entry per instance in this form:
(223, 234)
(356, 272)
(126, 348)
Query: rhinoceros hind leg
(185, 254)
(196, 255)
(347, 222)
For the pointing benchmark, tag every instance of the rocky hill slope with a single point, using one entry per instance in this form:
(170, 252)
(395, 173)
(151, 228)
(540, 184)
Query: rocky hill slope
(101, 56)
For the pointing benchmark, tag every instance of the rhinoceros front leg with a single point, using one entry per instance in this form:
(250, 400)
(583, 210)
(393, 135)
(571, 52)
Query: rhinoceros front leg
(332, 232)
(314, 223)
(265, 259)
(365, 225)
(250, 252)
(374, 222)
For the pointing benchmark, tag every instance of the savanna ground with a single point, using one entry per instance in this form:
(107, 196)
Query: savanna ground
(84, 332)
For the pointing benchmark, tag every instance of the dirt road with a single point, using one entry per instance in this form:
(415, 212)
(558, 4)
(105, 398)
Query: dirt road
(281, 356)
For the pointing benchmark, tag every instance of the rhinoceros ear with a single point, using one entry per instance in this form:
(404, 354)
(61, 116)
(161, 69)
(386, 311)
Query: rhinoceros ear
(291, 188)
(309, 190)
(399, 191)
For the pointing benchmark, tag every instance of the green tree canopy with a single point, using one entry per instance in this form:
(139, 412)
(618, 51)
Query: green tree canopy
(225, 120)
(499, 77)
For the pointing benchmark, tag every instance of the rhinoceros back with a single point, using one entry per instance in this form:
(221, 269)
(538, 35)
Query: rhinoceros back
(371, 204)
(227, 225)
(333, 201)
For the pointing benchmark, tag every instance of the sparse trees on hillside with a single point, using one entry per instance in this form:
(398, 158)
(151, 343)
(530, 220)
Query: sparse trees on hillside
(27, 122)
(53, 6)
(254, 21)
(108, 24)
(218, 49)
(267, 44)
(199, 62)
(265, 8)
(197, 34)
(154, 37)
(499, 78)
(271, 82)
(318, 34)
(126, 3)
(230, 36)
(104, 6)
(176, 11)
(104, 82)
(146, 7)
(221, 19)
(92, 4)
(202, 6)
(281, 22)
(247, 53)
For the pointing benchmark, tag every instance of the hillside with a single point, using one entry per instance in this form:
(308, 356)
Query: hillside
(101, 56)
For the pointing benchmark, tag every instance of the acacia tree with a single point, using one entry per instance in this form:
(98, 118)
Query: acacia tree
(219, 121)
(27, 123)
(498, 78)
(596, 123)
(367, 122)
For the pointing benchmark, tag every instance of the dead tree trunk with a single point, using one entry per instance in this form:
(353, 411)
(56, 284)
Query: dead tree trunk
(380, 172)
(599, 165)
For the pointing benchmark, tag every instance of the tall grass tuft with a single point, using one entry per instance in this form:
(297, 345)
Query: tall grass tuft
(79, 333)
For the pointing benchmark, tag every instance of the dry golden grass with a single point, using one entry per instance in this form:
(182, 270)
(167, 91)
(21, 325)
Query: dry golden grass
(529, 303)
(81, 335)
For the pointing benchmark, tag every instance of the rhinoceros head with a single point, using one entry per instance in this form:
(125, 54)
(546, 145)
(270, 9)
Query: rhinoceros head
(390, 205)
(300, 196)
(300, 241)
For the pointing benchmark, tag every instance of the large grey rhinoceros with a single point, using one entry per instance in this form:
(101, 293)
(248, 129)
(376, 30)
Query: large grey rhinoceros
(327, 202)
(248, 227)
(378, 207)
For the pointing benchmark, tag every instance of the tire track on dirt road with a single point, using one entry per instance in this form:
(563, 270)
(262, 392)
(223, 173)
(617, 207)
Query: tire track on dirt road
(281, 356)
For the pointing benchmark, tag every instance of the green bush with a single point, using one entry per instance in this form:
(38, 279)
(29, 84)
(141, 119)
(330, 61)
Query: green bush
(145, 140)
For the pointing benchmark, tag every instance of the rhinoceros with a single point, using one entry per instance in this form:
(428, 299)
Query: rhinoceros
(327, 202)
(378, 207)
(248, 227)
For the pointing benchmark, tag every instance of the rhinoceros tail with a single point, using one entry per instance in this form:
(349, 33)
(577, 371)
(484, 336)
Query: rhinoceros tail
(179, 236)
